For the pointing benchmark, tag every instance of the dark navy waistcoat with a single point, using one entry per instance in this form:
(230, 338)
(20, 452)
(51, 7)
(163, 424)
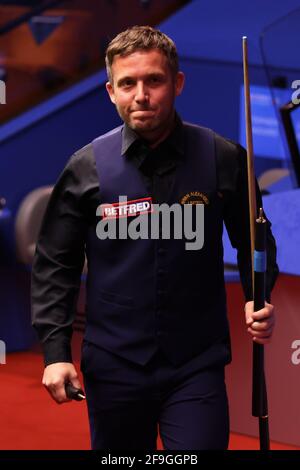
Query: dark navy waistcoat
(148, 294)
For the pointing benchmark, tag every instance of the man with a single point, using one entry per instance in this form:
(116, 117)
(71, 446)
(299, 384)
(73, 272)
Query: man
(156, 339)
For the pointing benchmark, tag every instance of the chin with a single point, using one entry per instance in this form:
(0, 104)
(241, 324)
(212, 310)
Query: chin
(142, 126)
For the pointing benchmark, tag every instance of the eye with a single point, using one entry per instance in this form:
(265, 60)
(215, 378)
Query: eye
(127, 83)
(155, 79)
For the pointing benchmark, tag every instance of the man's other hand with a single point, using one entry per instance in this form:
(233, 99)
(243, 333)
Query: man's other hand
(55, 377)
(261, 323)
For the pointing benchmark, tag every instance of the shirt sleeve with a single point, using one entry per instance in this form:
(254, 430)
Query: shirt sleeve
(59, 260)
(233, 182)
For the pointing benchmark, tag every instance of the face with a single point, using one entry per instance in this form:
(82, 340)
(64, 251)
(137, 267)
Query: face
(143, 90)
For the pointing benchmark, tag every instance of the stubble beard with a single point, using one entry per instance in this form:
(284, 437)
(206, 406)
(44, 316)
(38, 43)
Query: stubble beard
(149, 129)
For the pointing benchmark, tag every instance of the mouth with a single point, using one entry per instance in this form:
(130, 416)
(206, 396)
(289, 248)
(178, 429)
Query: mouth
(142, 112)
(144, 115)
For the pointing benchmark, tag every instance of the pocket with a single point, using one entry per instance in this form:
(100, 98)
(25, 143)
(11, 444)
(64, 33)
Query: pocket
(98, 363)
(117, 299)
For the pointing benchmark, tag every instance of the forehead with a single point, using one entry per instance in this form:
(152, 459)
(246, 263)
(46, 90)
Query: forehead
(141, 61)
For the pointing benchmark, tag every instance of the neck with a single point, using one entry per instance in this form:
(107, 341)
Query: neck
(157, 136)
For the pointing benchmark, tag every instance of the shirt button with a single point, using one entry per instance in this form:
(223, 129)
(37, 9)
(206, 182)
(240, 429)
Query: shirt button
(161, 251)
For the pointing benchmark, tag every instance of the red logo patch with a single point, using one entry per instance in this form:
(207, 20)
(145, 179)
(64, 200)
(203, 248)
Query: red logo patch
(132, 208)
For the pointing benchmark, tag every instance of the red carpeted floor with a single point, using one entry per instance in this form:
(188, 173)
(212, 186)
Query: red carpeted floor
(31, 420)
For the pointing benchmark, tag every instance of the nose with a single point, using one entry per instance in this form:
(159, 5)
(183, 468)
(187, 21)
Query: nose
(141, 95)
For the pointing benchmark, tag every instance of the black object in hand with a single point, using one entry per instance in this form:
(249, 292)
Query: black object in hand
(74, 393)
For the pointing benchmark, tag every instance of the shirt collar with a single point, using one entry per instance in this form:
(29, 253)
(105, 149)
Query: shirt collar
(129, 137)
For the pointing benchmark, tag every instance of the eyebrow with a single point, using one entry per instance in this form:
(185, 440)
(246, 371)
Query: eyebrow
(150, 75)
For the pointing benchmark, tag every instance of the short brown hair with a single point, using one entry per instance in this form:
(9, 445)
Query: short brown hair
(141, 38)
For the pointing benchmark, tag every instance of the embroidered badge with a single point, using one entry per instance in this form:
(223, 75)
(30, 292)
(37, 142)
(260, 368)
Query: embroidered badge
(194, 197)
(131, 208)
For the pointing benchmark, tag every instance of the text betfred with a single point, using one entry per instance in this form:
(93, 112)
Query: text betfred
(126, 208)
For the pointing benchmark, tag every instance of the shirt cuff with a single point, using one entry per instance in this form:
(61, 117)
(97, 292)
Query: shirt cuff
(57, 351)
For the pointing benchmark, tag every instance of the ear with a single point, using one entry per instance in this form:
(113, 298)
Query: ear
(179, 83)
(110, 91)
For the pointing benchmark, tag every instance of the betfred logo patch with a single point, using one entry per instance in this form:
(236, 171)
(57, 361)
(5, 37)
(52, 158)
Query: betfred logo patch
(127, 208)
